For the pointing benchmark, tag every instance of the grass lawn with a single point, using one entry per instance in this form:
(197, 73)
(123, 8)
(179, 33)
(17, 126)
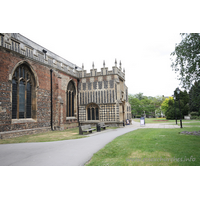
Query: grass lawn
(45, 137)
(50, 136)
(170, 122)
(156, 121)
(150, 147)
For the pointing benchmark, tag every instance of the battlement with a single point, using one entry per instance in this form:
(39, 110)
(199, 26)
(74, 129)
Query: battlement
(24, 46)
(104, 71)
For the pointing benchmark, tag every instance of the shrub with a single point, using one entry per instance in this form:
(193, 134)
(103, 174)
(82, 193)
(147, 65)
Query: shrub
(194, 113)
(170, 113)
(137, 116)
(194, 117)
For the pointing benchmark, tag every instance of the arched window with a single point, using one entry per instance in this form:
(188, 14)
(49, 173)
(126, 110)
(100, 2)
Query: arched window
(70, 97)
(92, 112)
(23, 84)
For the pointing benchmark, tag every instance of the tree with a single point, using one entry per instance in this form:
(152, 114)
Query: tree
(147, 106)
(194, 98)
(141, 104)
(187, 59)
(139, 96)
(136, 108)
(165, 104)
(168, 106)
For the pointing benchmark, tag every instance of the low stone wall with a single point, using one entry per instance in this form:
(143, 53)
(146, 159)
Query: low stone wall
(17, 133)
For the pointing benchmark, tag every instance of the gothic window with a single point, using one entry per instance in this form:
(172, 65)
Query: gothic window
(71, 94)
(94, 85)
(23, 93)
(100, 85)
(92, 112)
(84, 86)
(105, 84)
(111, 83)
(89, 86)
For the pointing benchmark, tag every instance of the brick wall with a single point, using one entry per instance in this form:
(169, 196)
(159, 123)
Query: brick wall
(8, 61)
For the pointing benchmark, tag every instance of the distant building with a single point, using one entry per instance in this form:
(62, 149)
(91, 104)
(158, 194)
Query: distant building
(29, 103)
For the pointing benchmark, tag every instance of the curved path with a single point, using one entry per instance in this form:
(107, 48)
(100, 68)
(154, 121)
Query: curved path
(63, 153)
(60, 153)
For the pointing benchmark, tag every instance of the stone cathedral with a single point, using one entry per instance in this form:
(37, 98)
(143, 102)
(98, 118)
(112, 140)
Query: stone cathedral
(41, 91)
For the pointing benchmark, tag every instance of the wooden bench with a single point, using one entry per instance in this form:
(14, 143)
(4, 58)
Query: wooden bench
(87, 128)
(102, 125)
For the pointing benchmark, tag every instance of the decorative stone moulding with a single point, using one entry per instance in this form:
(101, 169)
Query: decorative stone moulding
(22, 47)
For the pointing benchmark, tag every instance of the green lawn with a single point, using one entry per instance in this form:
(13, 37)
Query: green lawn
(156, 120)
(170, 122)
(45, 137)
(50, 136)
(150, 147)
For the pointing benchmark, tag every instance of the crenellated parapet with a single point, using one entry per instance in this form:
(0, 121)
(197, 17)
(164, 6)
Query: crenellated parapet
(24, 46)
(104, 71)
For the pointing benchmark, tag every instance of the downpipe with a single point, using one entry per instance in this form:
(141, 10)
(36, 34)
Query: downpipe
(51, 71)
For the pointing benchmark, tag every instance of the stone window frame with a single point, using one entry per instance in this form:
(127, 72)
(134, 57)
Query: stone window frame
(89, 112)
(71, 103)
(34, 87)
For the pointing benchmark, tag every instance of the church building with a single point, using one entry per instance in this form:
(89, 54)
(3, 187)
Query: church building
(41, 91)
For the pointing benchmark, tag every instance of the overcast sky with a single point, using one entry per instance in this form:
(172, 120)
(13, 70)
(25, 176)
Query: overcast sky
(142, 35)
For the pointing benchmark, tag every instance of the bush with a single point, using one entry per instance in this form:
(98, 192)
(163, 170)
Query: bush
(137, 116)
(194, 114)
(170, 113)
(194, 117)
(185, 110)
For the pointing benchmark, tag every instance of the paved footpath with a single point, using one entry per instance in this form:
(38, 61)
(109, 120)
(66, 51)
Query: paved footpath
(63, 153)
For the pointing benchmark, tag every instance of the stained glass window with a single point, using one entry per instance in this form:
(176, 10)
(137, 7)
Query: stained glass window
(71, 92)
(22, 93)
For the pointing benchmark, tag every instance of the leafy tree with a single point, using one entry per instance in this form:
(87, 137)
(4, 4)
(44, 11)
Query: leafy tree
(141, 104)
(165, 104)
(187, 59)
(147, 106)
(136, 108)
(194, 98)
(139, 96)
(168, 106)
(184, 102)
